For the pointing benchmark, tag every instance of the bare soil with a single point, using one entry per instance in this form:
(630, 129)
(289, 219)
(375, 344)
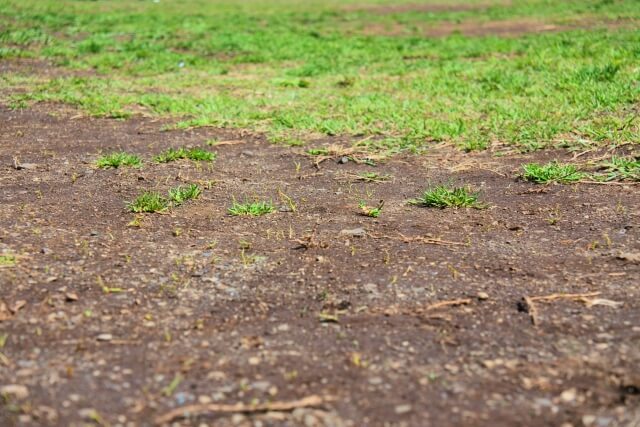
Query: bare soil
(423, 8)
(419, 320)
(504, 28)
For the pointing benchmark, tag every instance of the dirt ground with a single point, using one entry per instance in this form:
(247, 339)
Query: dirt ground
(315, 317)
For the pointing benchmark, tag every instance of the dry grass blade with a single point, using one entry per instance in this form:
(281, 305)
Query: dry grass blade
(585, 298)
(334, 151)
(427, 240)
(195, 410)
(625, 183)
(230, 142)
(553, 297)
(419, 311)
(449, 303)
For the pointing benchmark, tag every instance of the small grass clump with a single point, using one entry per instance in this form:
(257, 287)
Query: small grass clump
(318, 152)
(551, 172)
(148, 202)
(620, 168)
(197, 154)
(445, 197)
(252, 209)
(181, 194)
(115, 160)
(372, 212)
(373, 177)
(7, 260)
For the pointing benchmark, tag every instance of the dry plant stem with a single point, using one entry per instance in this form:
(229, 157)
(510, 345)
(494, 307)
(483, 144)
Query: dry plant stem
(533, 312)
(211, 408)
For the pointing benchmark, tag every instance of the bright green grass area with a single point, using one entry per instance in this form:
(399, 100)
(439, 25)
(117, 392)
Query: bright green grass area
(115, 160)
(551, 172)
(299, 70)
(443, 196)
(148, 202)
(257, 208)
(619, 168)
(180, 194)
(197, 154)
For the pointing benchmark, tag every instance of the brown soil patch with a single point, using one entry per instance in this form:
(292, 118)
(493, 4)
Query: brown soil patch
(425, 8)
(507, 28)
(104, 321)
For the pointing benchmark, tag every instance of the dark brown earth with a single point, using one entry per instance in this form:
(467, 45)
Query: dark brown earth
(114, 324)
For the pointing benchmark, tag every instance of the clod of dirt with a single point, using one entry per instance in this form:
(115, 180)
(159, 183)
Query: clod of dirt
(633, 257)
(15, 391)
(20, 166)
(355, 232)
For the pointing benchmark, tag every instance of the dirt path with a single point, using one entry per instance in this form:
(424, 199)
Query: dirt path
(109, 323)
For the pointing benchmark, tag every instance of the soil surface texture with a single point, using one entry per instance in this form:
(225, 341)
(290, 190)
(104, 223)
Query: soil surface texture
(525, 312)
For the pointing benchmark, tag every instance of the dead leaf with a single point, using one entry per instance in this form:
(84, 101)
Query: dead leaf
(5, 314)
(328, 318)
(630, 256)
(17, 306)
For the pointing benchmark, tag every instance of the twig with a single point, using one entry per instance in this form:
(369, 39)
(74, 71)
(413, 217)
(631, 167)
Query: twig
(422, 310)
(430, 240)
(450, 303)
(421, 239)
(553, 297)
(531, 309)
(195, 410)
(609, 182)
(230, 142)
(530, 306)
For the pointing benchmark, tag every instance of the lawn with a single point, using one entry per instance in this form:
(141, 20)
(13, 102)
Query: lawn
(299, 71)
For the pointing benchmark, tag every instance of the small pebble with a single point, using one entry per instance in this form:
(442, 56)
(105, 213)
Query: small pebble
(403, 409)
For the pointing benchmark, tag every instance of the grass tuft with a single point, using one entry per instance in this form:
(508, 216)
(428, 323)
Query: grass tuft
(148, 202)
(373, 177)
(7, 260)
(372, 212)
(197, 154)
(620, 168)
(551, 172)
(445, 197)
(115, 160)
(181, 194)
(252, 209)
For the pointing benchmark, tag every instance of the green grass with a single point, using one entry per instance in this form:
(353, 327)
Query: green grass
(373, 212)
(373, 177)
(551, 172)
(115, 160)
(197, 154)
(7, 260)
(446, 197)
(181, 194)
(257, 208)
(148, 202)
(307, 70)
(619, 169)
